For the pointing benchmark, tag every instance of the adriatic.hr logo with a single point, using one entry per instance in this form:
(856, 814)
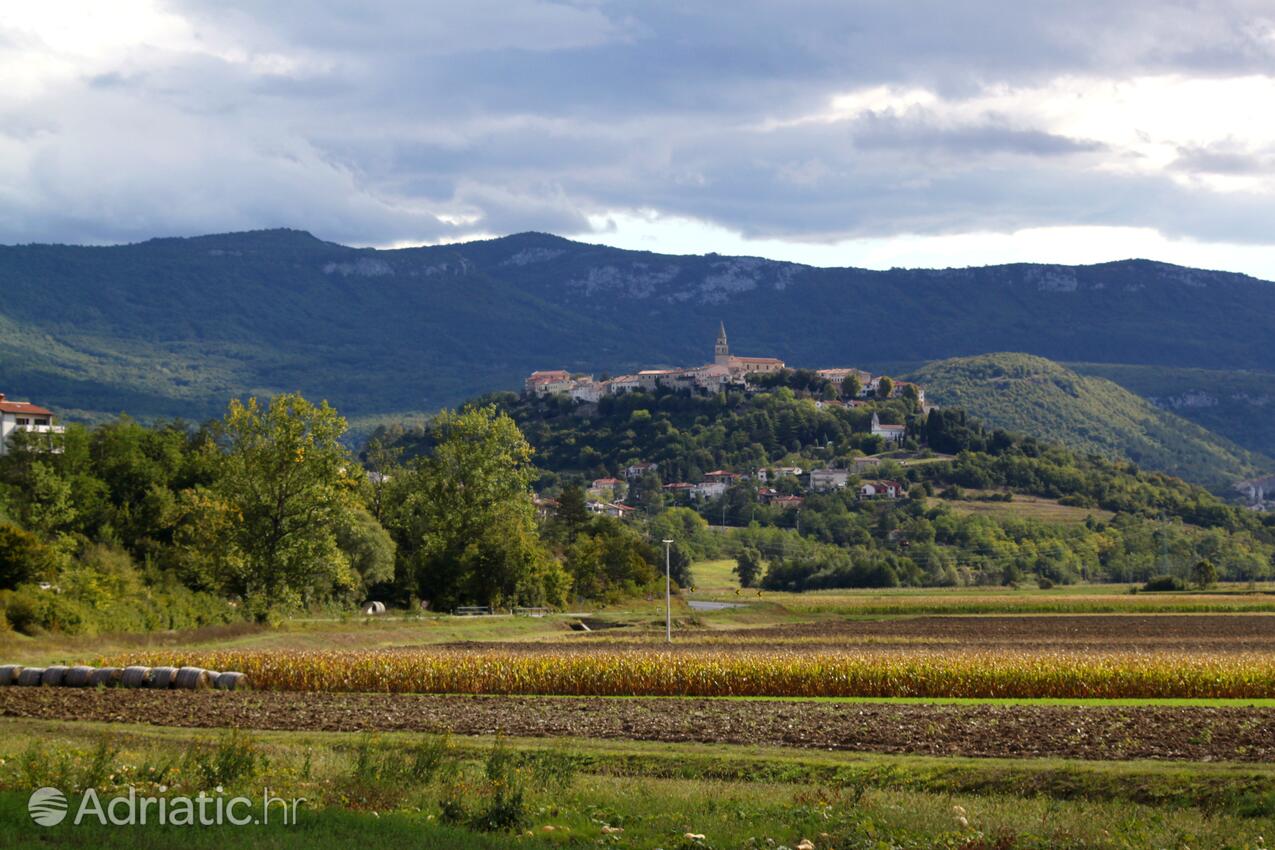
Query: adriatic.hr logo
(50, 807)
(47, 806)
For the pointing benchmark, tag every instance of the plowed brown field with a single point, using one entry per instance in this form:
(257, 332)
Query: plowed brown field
(1086, 732)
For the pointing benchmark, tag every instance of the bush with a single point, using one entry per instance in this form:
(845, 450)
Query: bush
(382, 776)
(1163, 583)
(233, 757)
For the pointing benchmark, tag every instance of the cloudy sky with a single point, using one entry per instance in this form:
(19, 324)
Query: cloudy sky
(837, 133)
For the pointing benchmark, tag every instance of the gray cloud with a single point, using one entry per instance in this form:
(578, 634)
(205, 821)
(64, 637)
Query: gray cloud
(400, 121)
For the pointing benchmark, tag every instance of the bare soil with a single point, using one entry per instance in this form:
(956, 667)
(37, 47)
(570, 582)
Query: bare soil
(1085, 732)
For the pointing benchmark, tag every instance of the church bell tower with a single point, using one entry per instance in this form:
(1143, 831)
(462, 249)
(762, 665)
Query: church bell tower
(721, 351)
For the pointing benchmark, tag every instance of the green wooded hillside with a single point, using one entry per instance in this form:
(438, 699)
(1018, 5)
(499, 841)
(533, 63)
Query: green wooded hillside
(1032, 395)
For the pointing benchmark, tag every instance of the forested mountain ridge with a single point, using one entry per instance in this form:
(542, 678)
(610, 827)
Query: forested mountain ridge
(163, 327)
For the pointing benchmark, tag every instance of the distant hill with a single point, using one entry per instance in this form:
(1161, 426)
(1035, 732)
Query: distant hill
(1032, 395)
(1237, 404)
(174, 326)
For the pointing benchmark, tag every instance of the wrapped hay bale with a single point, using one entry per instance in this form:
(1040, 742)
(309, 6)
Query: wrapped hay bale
(191, 679)
(53, 675)
(78, 677)
(107, 677)
(135, 677)
(30, 676)
(231, 682)
(9, 674)
(162, 677)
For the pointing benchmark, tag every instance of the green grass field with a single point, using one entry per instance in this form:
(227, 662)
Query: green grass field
(581, 793)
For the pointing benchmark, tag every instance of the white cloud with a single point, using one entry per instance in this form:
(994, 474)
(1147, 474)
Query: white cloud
(872, 133)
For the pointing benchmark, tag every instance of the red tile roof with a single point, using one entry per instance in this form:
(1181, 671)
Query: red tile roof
(22, 407)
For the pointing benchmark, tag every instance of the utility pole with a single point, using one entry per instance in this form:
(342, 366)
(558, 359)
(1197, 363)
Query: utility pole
(668, 591)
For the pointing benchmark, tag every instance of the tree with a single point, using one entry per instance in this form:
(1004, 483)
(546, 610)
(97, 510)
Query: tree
(573, 508)
(884, 387)
(467, 524)
(648, 494)
(23, 556)
(851, 386)
(382, 456)
(748, 566)
(368, 547)
(1204, 574)
(282, 480)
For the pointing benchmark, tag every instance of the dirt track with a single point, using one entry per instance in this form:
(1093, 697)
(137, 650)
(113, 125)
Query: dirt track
(1198, 734)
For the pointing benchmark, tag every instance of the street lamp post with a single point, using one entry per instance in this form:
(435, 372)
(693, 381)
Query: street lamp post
(668, 591)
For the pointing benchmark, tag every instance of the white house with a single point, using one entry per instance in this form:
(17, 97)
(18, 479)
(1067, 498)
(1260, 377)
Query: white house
(880, 490)
(890, 433)
(828, 479)
(18, 416)
(774, 473)
(838, 376)
(637, 470)
(586, 391)
(709, 489)
(623, 384)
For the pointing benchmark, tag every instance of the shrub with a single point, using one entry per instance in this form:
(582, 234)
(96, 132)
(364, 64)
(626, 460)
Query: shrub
(234, 756)
(1162, 583)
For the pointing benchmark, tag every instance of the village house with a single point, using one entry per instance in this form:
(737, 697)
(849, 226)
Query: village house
(623, 384)
(708, 489)
(900, 386)
(22, 416)
(609, 488)
(880, 490)
(679, 488)
(889, 433)
(787, 501)
(722, 476)
(822, 480)
(548, 382)
(545, 507)
(587, 391)
(866, 464)
(637, 470)
(838, 376)
(611, 509)
(774, 473)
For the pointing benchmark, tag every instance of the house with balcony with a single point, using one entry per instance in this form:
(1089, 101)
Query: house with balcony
(25, 417)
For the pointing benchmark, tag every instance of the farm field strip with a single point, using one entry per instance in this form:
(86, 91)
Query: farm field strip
(1241, 735)
(711, 673)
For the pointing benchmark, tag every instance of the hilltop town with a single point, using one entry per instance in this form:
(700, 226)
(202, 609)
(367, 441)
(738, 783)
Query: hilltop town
(836, 387)
(850, 386)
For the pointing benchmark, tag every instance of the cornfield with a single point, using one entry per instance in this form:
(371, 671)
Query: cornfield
(747, 673)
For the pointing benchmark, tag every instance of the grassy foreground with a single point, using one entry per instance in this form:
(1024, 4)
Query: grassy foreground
(413, 791)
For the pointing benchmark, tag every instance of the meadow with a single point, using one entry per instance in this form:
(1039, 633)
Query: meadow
(1084, 716)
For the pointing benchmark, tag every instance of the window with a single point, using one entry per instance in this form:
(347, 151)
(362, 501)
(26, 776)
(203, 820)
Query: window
(42, 421)
(23, 420)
